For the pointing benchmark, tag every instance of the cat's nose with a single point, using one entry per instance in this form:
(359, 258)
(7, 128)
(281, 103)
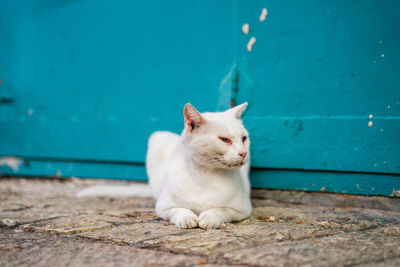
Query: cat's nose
(243, 154)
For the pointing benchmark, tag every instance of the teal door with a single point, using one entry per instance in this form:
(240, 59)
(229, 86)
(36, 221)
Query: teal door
(84, 83)
(323, 81)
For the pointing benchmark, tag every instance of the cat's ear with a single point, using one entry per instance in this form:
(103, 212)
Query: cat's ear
(193, 118)
(238, 110)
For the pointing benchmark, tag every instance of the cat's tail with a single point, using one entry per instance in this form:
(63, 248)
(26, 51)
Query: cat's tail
(134, 190)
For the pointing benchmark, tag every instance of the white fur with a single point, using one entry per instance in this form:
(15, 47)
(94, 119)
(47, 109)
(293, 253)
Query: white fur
(137, 190)
(191, 186)
(196, 178)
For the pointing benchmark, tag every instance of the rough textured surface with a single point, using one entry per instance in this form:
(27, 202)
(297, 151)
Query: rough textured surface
(43, 223)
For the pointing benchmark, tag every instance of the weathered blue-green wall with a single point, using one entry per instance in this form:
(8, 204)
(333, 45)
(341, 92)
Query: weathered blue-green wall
(84, 83)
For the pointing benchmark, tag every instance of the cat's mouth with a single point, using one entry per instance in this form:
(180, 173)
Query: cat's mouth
(230, 165)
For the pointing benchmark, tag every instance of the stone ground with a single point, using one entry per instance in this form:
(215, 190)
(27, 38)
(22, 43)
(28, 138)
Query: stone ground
(42, 223)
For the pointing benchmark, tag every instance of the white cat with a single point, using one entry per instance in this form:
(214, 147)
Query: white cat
(200, 178)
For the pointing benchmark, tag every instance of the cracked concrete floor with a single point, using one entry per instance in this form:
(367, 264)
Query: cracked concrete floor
(42, 223)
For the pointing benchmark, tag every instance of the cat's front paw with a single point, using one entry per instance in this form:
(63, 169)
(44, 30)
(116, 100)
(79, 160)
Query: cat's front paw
(186, 220)
(208, 220)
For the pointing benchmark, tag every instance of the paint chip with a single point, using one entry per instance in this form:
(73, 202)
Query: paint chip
(264, 14)
(388, 107)
(370, 123)
(370, 116)
(322, 188)
(245, 28)
(383, 55)
(11, 162)
(251, 43)
(30, 112)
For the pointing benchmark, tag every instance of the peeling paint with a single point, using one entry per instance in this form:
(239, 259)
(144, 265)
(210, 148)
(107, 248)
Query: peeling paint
(370, 123)
(245, 28)
(395, 193)
(251, 43)
(264, 13)
(370, 116)
(322, 188)
(12, 162)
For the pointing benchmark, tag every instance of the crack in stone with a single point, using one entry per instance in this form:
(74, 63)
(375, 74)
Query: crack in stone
(17, 224)
(141, 242)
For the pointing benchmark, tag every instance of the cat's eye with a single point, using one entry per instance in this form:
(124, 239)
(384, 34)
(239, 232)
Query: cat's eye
(244, 138)
(225, 140)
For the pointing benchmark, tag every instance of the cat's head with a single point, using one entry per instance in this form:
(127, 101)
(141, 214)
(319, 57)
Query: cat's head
(217, 139)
